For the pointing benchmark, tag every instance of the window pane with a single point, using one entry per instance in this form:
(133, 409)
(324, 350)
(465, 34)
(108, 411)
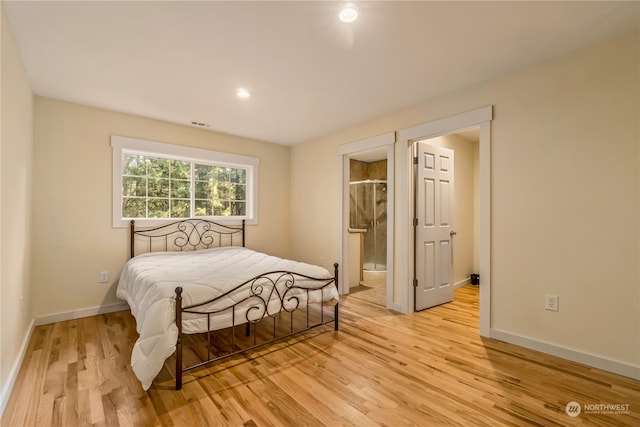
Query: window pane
(133, 164)
(158, 208)
(180, 208)
(238, 175)
(158, 187)
(180, 169)
(134, 186)
(203, 172)
(221, 191)
(180, 189)
(221, 208)
(204, 208)
(203, 190)
(238, 208)
(220, 174)
(133, 207)
(158, 168)
(239, 192)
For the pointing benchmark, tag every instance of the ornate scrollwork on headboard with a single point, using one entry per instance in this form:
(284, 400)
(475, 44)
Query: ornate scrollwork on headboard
(187, 235)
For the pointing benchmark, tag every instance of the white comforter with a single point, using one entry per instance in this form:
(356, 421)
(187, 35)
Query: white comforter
(148, 284)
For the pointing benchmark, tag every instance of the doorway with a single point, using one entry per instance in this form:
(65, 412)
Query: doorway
(368, 221)
(377, 185)
(478, 118)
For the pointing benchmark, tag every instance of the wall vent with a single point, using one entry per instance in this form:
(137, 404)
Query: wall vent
(200, 124)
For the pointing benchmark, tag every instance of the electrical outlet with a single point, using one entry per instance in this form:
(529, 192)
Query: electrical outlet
(551, 302)
(104, 277)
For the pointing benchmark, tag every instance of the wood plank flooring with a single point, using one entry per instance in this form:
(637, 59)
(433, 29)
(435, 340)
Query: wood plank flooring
(380, 369)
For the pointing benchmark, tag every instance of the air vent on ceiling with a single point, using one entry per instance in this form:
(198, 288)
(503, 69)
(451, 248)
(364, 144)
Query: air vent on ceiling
(204, 125)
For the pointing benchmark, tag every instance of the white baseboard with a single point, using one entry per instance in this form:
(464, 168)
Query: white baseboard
(79, 314)
(15, 369)
(462, 283)
(394, 307)
(609, 365)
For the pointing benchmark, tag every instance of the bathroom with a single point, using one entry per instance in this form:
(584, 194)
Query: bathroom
(368, 227)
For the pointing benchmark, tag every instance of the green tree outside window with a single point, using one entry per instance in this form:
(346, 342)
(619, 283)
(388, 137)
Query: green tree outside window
(155, 187)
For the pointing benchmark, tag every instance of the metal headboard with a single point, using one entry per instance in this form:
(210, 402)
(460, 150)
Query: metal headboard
(187, 235)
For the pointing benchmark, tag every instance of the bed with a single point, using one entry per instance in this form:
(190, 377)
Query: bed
(195, 277)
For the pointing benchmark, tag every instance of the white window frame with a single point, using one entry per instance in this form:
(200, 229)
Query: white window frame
(120, 144)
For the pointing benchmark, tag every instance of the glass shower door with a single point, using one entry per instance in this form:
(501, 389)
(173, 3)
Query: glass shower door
(375, 239)
(368, 211)
(380, 218)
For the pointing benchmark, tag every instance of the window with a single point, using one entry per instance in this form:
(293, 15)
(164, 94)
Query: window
(155, 182)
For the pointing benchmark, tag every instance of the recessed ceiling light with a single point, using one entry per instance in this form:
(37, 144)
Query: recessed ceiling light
(348, 14)
(243, 93)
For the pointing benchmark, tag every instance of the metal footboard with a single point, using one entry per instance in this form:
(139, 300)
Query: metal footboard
(267, 296)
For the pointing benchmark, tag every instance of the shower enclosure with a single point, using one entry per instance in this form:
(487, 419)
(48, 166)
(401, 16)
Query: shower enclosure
(368, 211)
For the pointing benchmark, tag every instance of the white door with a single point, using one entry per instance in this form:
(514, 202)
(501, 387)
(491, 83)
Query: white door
(434, 217)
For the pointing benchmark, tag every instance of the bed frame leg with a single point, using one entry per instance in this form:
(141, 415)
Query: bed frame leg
(247, 330)
(179, 341)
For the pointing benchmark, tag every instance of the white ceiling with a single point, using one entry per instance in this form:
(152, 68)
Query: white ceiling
(309, 74)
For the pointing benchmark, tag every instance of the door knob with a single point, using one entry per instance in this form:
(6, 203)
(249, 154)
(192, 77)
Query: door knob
(453, 233)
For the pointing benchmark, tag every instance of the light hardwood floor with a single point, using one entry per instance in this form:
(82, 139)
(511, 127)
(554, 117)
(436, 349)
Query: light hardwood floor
(380, 369)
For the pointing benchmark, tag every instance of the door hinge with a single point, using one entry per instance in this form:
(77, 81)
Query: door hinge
(415, 222)
(415, 283)
(415, 160)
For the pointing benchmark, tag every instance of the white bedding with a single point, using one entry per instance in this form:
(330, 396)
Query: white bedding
(148, 285)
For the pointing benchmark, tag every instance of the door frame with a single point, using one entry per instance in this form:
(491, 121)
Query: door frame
(478, 118)
(345, 153)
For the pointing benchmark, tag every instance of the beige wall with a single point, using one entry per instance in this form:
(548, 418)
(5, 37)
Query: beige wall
(464, 210)
(315, 180)
(74, 239)
(16, 144)
(564, 197)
